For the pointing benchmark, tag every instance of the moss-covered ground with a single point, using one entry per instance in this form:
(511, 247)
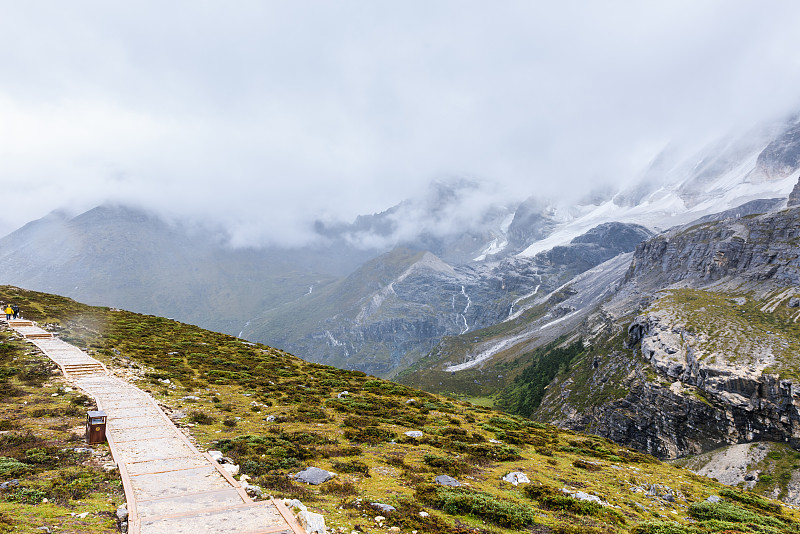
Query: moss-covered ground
(274, 414)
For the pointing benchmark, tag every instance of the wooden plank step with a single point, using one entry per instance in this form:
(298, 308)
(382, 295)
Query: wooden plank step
(84, 369)
(91, 371)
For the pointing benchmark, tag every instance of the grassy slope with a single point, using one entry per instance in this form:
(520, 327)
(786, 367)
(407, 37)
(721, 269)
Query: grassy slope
(41, 423)
(361, 437)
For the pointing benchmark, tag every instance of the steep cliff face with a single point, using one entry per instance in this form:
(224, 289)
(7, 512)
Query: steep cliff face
(712, 356)
(794, 196)
(755, 248)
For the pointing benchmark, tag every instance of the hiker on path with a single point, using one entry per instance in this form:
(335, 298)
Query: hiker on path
(9, 312)
(15, 309)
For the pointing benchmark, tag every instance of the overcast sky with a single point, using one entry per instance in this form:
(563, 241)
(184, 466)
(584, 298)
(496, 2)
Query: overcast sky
(265, 115)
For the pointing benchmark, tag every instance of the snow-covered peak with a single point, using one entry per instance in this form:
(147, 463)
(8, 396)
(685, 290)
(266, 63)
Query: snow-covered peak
(723, 176)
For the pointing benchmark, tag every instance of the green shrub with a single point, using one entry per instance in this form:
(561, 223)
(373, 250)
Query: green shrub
(346, 450)
(663, 527)
(353, 466)
(11, 467)
(26, 495)
(588, 466)
(200, 418)
(81, 400)
(459, 501)
(450, 466)
(259, 455)
(569, 528)
(343, 489)
(6, 523)
(553, 499)
(497, 452)
(41, 456)
(505, 423)
(73, 483)
(406, 517)
(310, 414)
(358, 421)
(752, 501)
(371, 435)
(396, 461)
(725, 511)
(284, 487)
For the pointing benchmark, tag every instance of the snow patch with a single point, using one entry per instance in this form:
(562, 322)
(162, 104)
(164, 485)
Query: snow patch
(488, 353)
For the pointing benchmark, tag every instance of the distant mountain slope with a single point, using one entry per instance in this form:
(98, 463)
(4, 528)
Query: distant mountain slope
(118, 256)
(392, 311)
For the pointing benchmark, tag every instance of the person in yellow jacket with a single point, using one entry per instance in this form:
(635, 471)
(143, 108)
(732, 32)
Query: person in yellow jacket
(9, 312)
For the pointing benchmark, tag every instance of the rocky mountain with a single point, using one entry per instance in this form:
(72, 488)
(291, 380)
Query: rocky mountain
(395, 308)
(686, 346)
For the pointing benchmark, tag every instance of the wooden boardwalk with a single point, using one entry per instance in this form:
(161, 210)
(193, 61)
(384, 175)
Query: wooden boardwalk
(170, 486)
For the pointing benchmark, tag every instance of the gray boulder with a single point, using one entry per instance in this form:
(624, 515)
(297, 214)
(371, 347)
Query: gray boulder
(314, 475)
(383, 507)
(122, 512)
(445, 480)
(516, 477)
(583, 496)
(311, 522)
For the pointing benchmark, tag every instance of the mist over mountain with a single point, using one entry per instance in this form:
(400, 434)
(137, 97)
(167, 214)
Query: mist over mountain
(379, 293)
(126, 257)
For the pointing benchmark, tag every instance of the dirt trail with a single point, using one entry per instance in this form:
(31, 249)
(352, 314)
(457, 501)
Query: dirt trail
(171, 487)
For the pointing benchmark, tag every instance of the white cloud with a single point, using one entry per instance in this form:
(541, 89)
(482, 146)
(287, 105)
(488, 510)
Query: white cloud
(264, 116)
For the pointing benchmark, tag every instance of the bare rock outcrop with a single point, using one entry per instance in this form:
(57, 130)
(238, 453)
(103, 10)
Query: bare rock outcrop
(794, 196)
(686, 384)
(707, 401)
(755, 248)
